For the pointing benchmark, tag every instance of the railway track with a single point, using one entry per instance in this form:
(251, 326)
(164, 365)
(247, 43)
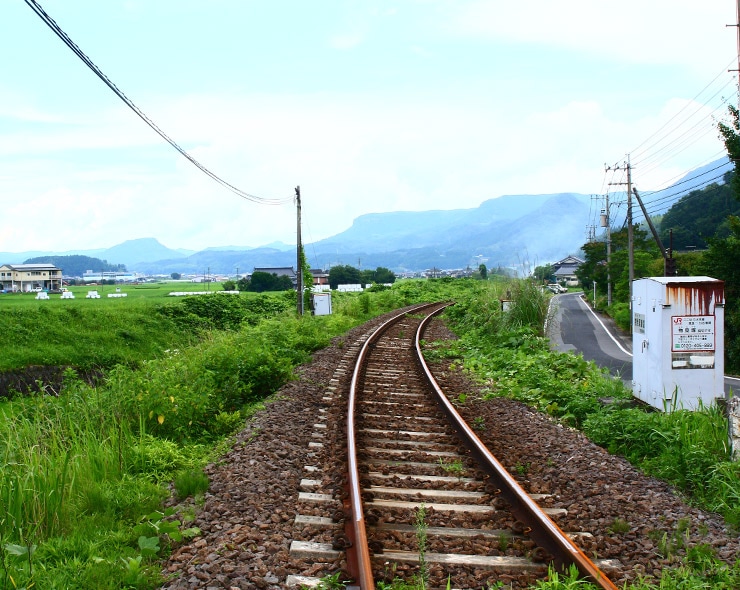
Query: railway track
(420, 495)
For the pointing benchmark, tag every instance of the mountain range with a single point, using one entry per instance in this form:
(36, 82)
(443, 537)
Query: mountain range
(511, 231)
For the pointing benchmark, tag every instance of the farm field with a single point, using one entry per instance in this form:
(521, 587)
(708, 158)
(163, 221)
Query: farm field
(132, 292)
(93, 334)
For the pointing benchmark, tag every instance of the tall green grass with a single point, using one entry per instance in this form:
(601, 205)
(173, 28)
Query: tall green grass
(82, 474)
(688, 449)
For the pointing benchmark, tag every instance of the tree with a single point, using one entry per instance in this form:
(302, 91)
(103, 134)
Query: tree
(483, 271)
(544, 273)
(380, 275)
(228, 285)
(384, 275)
(700, 215)
(307, 280)
(264, 281)
(720, 260)
(367, 277)
(730, 135)
(77, 264)
(243, 284)
(595, 267)
(175, 276)
(344, 274)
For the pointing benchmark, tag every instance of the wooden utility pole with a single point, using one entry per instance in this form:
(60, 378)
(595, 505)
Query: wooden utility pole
(299, 266)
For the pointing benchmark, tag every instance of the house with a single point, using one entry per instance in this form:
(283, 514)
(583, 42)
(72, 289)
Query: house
(320, 277)
(565, 270)
(30, 277)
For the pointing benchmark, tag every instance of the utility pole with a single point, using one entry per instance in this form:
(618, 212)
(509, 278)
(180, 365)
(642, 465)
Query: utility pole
(299, 271)
(606, 222)
(630, 233)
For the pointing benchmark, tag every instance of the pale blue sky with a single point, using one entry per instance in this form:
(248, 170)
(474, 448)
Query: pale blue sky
(369, 106)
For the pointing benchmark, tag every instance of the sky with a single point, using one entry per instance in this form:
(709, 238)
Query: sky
(368, 105)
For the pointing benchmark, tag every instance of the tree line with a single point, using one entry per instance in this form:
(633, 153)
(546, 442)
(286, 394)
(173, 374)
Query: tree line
(75, 265)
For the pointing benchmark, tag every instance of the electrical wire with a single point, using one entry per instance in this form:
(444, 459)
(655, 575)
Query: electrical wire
(689, 179)
(662, 205)
(49, 21)
(721, 73)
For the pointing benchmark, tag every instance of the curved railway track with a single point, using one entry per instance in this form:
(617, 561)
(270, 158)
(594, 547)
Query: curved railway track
(420, 493)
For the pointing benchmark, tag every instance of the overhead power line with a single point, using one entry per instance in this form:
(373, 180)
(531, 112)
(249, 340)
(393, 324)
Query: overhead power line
(98, 72)
(637, 153)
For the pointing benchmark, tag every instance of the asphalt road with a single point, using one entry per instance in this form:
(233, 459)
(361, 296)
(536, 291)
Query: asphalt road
(575, 327)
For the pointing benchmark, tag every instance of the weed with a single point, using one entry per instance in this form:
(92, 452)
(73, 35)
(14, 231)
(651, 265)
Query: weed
(479, 423)
(522, 468)
(190, 483)
(569, 580)
(503, 542)
(330, 582)
(619, 526)
(454, 467)
(420, 525)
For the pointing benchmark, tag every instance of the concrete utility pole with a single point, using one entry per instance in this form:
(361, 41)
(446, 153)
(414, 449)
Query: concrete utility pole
(299, 271)
(606, 222)
(630, 233)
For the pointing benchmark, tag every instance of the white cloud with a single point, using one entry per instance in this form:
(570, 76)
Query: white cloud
(677, 32)
(351, 154)
(430, 136)
(346, 41)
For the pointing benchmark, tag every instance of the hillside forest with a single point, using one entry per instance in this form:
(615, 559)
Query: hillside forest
(75, 265)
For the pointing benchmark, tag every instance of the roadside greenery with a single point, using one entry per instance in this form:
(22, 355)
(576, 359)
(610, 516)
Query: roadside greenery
(688, 449)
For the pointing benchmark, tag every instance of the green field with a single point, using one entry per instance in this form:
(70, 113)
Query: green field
(141, 291)
(93, 334)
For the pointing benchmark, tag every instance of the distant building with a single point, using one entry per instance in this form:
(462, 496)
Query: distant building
(320, 277)
(565, 270)
(27, 277)
(118, 276)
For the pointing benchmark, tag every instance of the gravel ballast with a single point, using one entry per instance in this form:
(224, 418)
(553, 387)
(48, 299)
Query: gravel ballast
(248, 517)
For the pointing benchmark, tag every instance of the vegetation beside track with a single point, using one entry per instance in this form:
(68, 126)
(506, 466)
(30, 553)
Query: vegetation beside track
(507, 354)
(83, 476)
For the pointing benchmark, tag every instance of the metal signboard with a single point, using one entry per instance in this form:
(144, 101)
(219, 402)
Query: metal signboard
(692, 333)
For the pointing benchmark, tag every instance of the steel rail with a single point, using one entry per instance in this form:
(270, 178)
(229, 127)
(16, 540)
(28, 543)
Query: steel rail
(544, 531)
(359, 562)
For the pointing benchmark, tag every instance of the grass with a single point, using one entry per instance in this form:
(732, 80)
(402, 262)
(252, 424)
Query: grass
(687, 449)
(83, 475)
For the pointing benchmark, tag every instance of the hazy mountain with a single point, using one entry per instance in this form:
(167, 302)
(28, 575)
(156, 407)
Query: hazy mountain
(135, 252)
(128, 253)
(507, 231)
(512, 231)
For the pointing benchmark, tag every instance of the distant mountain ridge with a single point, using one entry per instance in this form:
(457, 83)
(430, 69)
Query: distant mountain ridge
(511, 231)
